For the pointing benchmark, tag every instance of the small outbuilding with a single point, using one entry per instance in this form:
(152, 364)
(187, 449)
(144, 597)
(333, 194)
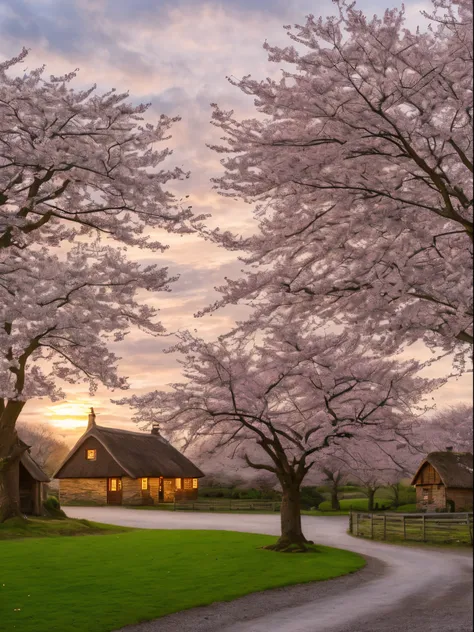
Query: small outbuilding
(444, 480)
(110, 466)
(31, 484)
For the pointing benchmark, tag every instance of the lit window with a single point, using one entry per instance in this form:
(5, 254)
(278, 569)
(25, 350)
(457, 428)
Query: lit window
(144, 484)
(195, 483)
(91, 455)
(178, 483)
(113, 485)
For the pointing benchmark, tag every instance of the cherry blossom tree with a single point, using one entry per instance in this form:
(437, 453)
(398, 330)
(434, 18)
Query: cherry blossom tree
(333, 473)
(449, 427)
(77, 167)
(278, 404)
(45, 447)
(73, 162)
(377, 461)
(58, 316)
(360, 166)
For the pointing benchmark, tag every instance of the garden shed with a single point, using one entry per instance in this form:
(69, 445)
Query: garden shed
(31, 484)
(444, 481)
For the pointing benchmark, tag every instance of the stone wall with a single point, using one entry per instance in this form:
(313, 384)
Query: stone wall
(436, 497)
(132, 491)
(462, 498)
(154, 489)
(77, 490)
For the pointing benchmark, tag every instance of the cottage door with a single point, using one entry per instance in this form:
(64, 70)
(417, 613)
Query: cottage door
(161, 495)
(114, 491)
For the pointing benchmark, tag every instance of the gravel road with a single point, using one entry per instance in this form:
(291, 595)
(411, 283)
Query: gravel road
(402, 589)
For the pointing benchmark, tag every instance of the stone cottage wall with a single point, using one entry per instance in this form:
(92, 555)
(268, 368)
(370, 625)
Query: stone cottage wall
(77, 490)
(132, 491)
(437, 500)
(462, 499)
(154, 489)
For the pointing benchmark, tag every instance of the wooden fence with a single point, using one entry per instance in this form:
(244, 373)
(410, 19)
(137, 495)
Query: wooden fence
(226, 504)
(420, 527)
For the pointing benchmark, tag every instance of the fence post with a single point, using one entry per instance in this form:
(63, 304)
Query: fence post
(174, 503)
(423, 523)
(384, 527)
(469, 526)
(350, 521)
(372, 526)
(404, 528)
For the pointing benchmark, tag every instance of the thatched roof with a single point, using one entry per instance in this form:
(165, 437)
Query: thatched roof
(137, 454)
(454, 468)
(32, 467)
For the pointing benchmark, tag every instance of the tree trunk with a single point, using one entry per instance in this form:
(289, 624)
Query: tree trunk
(335, 506)
(396, 495)
(10, 454)
(371, 497)
(292, 538)
(9, 487)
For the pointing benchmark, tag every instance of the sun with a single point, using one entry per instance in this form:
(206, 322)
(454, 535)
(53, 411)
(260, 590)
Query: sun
(69, 414)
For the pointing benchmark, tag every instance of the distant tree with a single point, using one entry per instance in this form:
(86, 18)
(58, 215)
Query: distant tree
(45, 447)
(448, 427)
(292, 396)
(334, 476)
(375, 462)
(360, 164)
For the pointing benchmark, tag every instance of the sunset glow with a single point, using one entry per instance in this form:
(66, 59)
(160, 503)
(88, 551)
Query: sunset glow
(68, 414)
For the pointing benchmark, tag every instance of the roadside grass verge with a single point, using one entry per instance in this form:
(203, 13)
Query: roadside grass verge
(435, 533)
(99, 584)
(50, 528)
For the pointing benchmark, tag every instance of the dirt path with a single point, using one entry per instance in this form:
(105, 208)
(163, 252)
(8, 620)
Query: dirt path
(403, 589)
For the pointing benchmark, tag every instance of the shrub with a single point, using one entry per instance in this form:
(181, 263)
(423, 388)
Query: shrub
(51, 503)
(310, 498)
(52, 508)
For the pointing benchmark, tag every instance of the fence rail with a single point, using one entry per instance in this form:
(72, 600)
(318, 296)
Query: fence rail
(226, 504)
(422, 527)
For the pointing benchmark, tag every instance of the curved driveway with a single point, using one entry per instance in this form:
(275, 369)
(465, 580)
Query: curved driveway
(403, 588)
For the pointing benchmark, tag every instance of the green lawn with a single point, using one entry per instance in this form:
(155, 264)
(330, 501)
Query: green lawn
(47, 528)
(101, 583)
(411, 508)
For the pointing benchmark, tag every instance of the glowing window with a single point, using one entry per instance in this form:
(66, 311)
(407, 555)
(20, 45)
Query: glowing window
(91, 455)
(178, 483)
(195, 483)
(113, 485)
(144, 483)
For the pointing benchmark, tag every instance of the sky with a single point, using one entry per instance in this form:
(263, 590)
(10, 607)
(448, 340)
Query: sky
(175, 54)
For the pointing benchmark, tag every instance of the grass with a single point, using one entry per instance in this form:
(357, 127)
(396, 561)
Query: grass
(411, 508)
(101, 583)
(357, 504)
(445, 534)
(47, 528)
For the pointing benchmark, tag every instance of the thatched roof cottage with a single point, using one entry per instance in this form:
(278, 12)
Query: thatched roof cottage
(444, 481)
(114, 467)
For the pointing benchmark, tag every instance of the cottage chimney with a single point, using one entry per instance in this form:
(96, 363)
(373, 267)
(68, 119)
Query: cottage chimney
(155, 428)
(91, 421)
(449, 448)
